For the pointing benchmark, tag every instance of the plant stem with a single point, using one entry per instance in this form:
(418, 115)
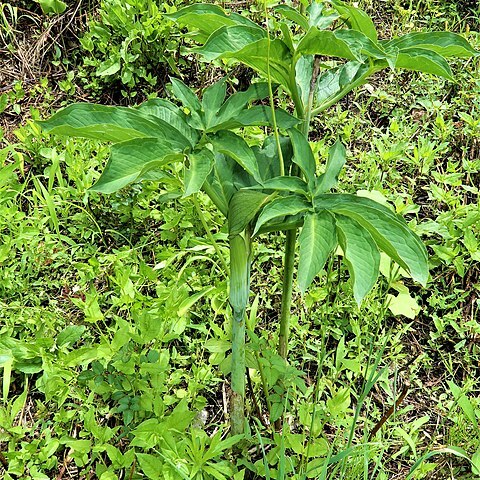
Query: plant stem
(209, 234)
(287, 288)
(240, 253)
(270, 94)
(289, 259)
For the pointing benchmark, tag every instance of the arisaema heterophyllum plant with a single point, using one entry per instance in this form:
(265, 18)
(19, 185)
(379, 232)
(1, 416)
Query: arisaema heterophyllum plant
(308, 60)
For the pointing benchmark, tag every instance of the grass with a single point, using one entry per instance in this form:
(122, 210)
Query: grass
(104, 341)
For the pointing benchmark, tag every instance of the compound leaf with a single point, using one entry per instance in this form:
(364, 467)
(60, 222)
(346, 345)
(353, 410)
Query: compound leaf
(390, 232)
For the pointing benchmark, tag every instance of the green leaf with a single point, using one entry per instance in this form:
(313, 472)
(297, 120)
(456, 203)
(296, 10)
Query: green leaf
(457, 451)
(268, 158)
(170, 114)
(390, 232)
(207, 18)
(190, 101)
(188, 303)
(316, 17)
(201, 164)
(349, 44)
(258, 115)
(109, 124)
(356, 19)
(285, 184)
(70, 334)
(317, 240)
(282, 207)
(228, 40)
(360, 253)
(422, 60)
(303, 156)
(279, 60)
(52, 6)
(446, 44)
(303, 76)
(130, 160)
(150, 465)
(403, 304)
(338, 81)
(235, 147)
(249, 46)
(294, 15)
(463, 402)
(212, 100)
(245, 204)
(336, 161)
(239, 100)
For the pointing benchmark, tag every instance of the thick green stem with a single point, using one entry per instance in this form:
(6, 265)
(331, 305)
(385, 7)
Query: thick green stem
(288, 269)
(240, 248)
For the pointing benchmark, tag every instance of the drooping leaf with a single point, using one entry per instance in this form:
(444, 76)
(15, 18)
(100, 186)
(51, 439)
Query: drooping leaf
(349, 44)
(294, 15)
(282, 207)
(277, 60)
(336, 161)
(389, 231)
(201, 164)
(239, 100)
(235, 147)
(268, 158)
(422, 60)
(225, 180)
(287, 36)
(360, 253)
(446, 44)
(228, 40)
(212, 100)
(317, 240)
(244, 205)
(109, 124)
(303, 156)
(130, 160)
(285, 184)
(317, 18)
(207, 18)
(250, 46)
(257, 115)
(338, 81)
(52, 6)
(356, 19)
(171, 114)
(190, 101)
(303, 76)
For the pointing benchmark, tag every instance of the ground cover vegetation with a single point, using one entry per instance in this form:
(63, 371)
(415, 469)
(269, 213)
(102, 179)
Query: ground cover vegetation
(116, 327)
